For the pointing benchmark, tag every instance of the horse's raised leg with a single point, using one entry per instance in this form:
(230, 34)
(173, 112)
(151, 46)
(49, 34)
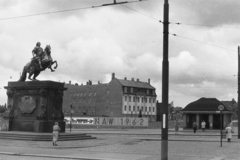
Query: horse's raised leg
(50, 67)
(55, 63)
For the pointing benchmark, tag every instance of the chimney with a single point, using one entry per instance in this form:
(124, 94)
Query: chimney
(125, 78)
(132, 79)
(69, 82)
(86, 83)
(148, 80)
(113, 75)
(137, 80)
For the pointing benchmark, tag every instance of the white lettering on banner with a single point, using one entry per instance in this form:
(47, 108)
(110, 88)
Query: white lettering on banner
(79, 120)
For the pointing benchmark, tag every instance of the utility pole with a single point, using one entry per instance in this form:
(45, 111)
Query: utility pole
(238, 92)
(165, 83)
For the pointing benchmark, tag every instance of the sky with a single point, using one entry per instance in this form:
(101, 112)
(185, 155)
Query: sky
(91, 43)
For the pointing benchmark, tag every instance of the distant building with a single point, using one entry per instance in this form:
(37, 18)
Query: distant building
(206, 109)
(232, 106)
(118, 98)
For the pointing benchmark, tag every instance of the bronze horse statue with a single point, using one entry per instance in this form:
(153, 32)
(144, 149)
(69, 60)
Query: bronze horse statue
(33, 67)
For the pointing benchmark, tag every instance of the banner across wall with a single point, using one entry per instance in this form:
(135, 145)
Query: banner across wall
(109, 121)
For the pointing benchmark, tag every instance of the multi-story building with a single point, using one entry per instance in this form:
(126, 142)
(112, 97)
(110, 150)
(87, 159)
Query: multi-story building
(118, 98)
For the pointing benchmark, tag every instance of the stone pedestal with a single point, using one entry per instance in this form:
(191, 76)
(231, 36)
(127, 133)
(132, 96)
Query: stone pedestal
(34, 106)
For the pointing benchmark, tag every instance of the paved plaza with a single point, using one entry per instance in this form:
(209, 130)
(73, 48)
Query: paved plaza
(126, 144)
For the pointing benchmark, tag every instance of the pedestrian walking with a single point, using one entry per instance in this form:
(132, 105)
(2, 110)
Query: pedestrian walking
(56, 130)
(194, 127)
(229, 131)
(203, 125)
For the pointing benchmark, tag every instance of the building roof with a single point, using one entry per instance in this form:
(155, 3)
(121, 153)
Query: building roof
(204, 104)
(231, 105)
(137, 84)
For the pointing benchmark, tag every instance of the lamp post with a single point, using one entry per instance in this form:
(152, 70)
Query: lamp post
(221, 107)
(72, 111)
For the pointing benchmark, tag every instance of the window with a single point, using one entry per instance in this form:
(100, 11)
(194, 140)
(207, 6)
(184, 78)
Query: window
(129, 108)
(145, 109)
(150, 100)
(108, 91)
(147, 91)
(131, 90)
(125, 89)
(146, 100)
(138, 108)
(129, 98)
(134, 99)
(125, 98)
(153, 109)
(142, 99)
(133, 108)
(153, 100)
(125, 108)
(138, 99)
(149, 109)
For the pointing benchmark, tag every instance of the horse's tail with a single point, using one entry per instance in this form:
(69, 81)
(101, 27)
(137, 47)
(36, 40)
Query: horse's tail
(24, 75)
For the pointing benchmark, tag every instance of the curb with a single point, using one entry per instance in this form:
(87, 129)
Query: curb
(47, 156)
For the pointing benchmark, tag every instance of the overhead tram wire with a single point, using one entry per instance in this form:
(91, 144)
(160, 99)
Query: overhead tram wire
(69, 10)
(179, 24)
(203, 42)
(204, 25)
(140, 12)
(120, 3)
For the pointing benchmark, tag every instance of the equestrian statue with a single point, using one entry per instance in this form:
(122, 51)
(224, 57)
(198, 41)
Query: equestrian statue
(41, 60)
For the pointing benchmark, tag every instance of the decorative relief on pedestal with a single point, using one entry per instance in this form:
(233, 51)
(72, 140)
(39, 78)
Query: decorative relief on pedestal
(43, 92)
(59, 93)
(57, 113)
(9, 113)
(42, 113)
(27, 104)
(10, 92)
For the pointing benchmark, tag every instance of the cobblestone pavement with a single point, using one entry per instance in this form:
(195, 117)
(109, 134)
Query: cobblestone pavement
(124, 147)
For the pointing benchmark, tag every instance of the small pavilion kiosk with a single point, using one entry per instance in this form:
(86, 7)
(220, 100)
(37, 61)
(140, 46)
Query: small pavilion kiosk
(205, 109)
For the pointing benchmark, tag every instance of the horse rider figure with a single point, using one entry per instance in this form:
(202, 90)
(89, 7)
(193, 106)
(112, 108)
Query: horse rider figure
(38, 53)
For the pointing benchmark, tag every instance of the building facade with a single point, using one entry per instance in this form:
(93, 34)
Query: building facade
(118, 98)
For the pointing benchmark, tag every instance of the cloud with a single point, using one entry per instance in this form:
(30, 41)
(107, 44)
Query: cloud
(91, 44)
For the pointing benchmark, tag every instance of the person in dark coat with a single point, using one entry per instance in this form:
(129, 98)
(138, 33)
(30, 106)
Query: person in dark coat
(194, 127)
